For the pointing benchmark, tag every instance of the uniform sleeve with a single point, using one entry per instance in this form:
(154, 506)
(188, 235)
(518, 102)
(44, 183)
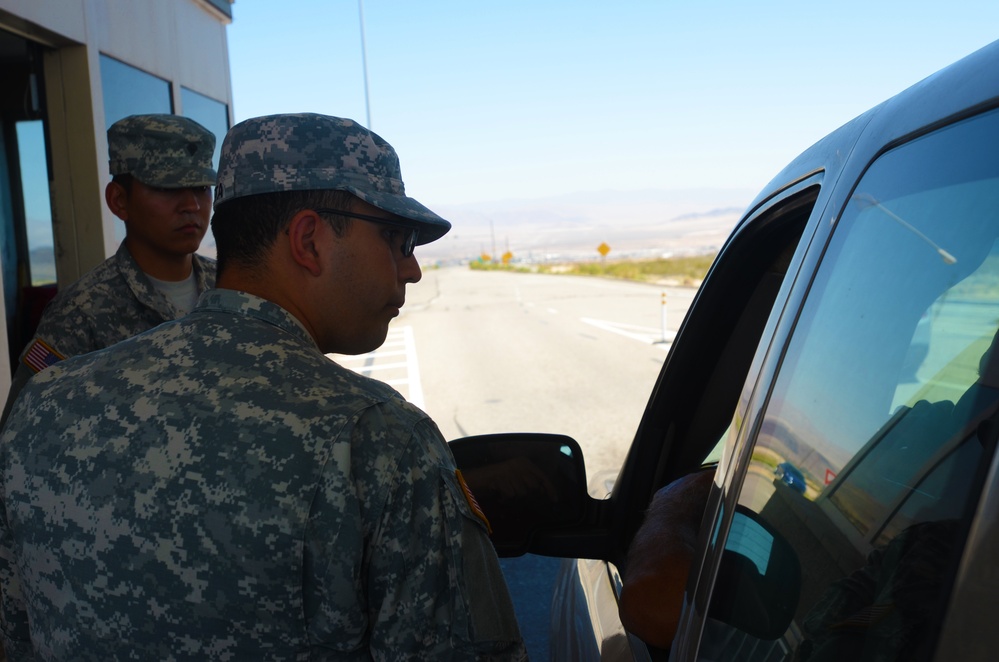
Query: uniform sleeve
(64, 333)
(21, 377)
(68, 328)
(13, 615)
(429, 584)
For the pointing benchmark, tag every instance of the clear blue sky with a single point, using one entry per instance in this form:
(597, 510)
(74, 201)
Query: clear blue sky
(494, 99)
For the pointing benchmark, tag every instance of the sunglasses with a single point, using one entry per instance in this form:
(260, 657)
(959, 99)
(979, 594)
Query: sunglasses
(408, 238)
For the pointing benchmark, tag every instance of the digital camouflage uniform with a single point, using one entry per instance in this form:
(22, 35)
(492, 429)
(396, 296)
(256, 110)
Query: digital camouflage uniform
(217, 488)
(261, 503)
(116, 300)
(112, 302)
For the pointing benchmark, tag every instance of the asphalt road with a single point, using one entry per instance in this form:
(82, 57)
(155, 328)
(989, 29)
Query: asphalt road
(485, 352)
(508, 352)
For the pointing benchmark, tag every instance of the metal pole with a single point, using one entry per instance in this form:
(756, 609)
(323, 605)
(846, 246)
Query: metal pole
(664, 316)
(364, 62)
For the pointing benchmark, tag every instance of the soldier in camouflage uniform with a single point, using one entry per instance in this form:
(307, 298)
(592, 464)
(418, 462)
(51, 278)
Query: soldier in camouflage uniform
(217, 488)
(162, 173)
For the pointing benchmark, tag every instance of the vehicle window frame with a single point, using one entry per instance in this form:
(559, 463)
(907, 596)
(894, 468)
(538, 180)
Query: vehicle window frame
(724, 502)
(655, 458)
(746, 417)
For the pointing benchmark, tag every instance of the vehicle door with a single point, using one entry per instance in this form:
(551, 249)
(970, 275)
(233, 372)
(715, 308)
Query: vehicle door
(690, 413)
(871, 450)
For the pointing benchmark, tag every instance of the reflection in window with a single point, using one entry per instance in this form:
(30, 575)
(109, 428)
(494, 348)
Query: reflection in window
(131, 91)
(885, 381)
(752, 541)
(209, 113)
(214, 116)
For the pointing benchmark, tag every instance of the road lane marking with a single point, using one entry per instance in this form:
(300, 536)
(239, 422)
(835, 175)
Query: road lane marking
(402, 375)
(643, 334)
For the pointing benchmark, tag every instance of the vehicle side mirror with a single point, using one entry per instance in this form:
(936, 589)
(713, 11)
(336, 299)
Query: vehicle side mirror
(759, 579)
(525, 483)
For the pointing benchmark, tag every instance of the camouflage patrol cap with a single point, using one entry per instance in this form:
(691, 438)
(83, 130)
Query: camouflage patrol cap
(310, 152)
(167, 151)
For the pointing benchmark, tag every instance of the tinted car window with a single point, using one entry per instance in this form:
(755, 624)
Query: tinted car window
(878, 427)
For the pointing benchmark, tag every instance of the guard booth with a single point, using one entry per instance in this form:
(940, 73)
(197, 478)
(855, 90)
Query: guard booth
(68, 70)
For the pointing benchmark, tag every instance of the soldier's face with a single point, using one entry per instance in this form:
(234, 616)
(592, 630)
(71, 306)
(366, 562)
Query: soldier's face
(168, 221)
(366, 286)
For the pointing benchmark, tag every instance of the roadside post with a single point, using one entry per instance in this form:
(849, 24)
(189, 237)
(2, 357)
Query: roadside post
(663, 302)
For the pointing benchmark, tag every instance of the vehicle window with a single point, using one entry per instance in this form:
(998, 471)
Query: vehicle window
(879, 426)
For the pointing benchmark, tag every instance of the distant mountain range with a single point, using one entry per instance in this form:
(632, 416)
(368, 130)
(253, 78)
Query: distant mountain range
(633, 224)
(571, 227)
(42, 261)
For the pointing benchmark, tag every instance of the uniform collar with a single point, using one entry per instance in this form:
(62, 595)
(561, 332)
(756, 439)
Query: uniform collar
(204, 272)
(143, 288)
(242, 303)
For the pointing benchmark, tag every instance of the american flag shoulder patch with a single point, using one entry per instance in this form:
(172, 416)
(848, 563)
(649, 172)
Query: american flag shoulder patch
(40, 356)
(472, 503)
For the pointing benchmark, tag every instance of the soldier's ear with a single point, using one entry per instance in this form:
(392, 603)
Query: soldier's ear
(116, 198)
(303, 236)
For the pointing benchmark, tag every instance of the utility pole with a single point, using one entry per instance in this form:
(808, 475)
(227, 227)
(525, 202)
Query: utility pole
(364, 63)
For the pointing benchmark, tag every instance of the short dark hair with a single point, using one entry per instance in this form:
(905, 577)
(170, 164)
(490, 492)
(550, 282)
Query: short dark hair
(245, 228)
(124, 180)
